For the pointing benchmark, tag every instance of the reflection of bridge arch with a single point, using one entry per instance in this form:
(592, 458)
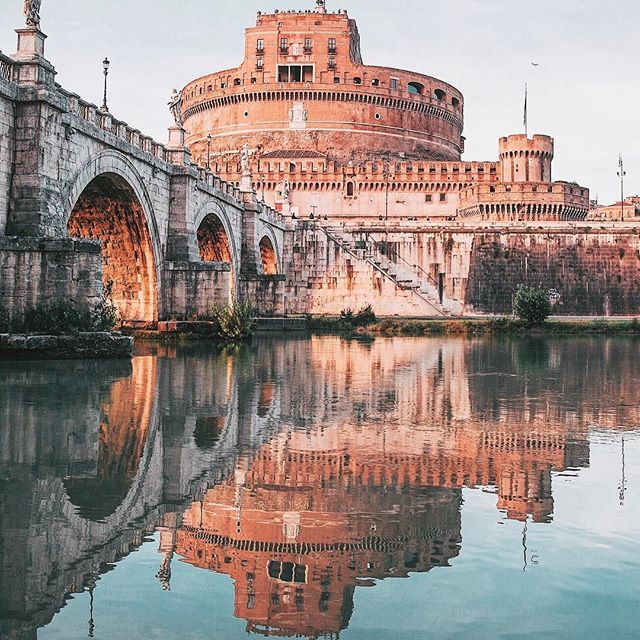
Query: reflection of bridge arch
(109, 202)
(123, 437)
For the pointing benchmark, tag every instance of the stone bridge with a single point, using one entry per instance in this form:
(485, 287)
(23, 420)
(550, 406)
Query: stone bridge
(174, 238)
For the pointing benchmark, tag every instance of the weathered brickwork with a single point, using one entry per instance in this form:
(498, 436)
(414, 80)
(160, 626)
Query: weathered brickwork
(589, 273)
(33, 270)
(585, 271)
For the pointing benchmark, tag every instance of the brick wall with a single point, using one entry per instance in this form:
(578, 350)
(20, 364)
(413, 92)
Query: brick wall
(36, 270)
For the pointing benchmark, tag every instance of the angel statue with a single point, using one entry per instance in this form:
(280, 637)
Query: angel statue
(244, 159)
(32, 13)
(175, 106)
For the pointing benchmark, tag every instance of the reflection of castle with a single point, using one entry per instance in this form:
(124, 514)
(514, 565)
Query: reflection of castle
(296, 550)
(315, 465)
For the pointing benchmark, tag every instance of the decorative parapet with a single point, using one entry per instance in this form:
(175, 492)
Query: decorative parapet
(524, 201)
(6, 68)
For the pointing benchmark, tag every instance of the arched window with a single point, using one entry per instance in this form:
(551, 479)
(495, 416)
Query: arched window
(415, 88)
(357, 80)
(455, 102)
(350, 190)
(440, 94)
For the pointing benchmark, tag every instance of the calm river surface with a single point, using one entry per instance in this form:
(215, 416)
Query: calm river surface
(323, 488)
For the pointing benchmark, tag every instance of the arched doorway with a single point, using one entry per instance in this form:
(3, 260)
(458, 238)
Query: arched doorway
(268, 257)
(108, 210)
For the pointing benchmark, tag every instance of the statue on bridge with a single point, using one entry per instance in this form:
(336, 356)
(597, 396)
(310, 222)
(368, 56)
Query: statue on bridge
(175, 106)
(244, 160)
(32, 13)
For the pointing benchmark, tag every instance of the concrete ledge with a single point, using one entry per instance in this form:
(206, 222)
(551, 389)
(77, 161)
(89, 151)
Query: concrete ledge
(49, 245)
(281, 324)
(81, 345)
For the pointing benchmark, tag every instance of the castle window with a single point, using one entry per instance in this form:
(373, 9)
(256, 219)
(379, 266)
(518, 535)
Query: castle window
(440, 94)
(443, 197)
(357, 80)
(332, 45)
(287, 571)
(260, 46)
(260, 63)
(393, 83)
(350, 190)
(428, 198)
(492, 189)
(223, 85)
(236, 82)
(284, 45)
(308, 45)
(336, 80)
(415, 88)
(375, 82)
(332, 63)
(377, 116)
(455, 102)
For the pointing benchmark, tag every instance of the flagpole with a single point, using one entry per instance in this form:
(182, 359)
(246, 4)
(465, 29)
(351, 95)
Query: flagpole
(526, 115)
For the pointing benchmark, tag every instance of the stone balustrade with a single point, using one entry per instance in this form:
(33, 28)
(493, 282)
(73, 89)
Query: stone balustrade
(6, 68)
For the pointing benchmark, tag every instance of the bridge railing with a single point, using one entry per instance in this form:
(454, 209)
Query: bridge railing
(6, 67)
(93, 115)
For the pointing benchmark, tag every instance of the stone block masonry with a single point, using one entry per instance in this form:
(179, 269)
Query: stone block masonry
(33, 270)
(585, 271)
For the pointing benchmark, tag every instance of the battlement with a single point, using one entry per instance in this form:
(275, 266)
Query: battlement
(522, 144)
(518, 201)
(524, 159)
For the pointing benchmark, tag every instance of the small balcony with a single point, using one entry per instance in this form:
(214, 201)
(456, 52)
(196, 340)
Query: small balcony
(284, 50)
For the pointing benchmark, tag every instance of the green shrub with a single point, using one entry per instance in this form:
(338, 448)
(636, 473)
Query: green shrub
(531, 305)
(236, 321)
(105, 316)
(57, 317)
(363, 318)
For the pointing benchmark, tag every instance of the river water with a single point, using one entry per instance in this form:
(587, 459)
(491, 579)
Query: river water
(323, 488)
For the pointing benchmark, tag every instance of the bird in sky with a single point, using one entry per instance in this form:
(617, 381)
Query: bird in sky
(535, 64)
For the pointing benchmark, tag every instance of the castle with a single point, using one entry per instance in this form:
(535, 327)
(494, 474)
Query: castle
(331, 137)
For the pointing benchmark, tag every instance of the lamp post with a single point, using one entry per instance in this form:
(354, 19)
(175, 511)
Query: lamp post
(105, 69)
(209, 152)
(621, 174)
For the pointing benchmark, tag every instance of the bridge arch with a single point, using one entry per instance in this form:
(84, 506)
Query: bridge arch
(270, 256)
(216, 239)
(107, 201)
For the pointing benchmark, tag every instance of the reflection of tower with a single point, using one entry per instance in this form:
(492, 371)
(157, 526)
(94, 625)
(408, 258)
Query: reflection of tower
(167, 547)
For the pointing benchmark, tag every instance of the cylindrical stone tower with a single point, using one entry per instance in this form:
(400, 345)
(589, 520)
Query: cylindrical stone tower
(524, 159)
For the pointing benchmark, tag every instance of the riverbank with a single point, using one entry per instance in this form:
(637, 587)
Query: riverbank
(99, 344)
(475, 326)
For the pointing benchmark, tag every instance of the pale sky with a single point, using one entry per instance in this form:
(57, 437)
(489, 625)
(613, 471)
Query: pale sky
(585, 91)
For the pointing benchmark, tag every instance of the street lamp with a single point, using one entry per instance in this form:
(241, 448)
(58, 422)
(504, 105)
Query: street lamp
(209, 152)
(386, 175)
(105, 69)
(621, 174)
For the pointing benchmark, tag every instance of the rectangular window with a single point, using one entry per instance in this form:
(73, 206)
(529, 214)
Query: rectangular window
(428, 197)
(308, 45)
(287, 572)
(284, 44)
(260, 46)
(260, 63)
(393, 83)
(332, 63)
(443, 197)
(332, 45)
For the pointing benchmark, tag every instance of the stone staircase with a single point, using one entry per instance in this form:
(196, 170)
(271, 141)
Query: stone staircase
(405, 276)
